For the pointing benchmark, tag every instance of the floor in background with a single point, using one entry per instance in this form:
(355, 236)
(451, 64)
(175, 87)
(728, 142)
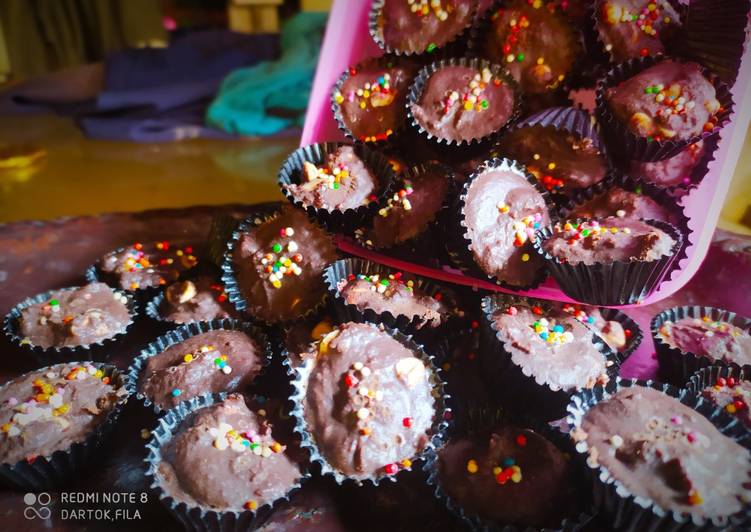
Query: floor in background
(78, 176)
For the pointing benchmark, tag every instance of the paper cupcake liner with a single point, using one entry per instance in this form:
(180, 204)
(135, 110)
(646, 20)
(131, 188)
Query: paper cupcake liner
(182, 333)
(509, 381)
(337, 220)
(61, 468)
(573, 120)
(715, 35)
(482, 27)
(417, 88)
(377, 34)
(611, 283)
(707, 377)
(631, 513)
(341, 270)
(481, 417)
(631, 146)
(676, 366)
(301, 375)
(602, 50)
(458, 244)
(662, 197)
(380, 141)
(229, 276)
(100, 350)
(201, 518)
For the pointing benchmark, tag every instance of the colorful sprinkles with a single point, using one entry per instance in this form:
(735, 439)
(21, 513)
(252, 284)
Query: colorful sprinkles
(283, 259)
(650, 19)
(400, 200)
(225, 436)
(504, 471)
(136, 259)
(524, 228)
(373, 94)
(472, 97)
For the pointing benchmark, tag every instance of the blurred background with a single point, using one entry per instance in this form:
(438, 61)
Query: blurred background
(127, 105)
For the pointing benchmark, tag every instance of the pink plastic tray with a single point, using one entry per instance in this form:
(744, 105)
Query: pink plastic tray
(347, 42)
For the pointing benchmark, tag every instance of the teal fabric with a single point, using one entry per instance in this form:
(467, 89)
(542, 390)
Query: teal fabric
(269, 97)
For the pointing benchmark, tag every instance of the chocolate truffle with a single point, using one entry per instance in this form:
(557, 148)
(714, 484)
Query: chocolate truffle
(535, 43)
(668, 101)
(411, 210)
(509, 475)
(560, 160)
(78, 317)
(202, 299)
(611, 331)
(732, 395)
(52, 408)
(392, 294)
(673, 171)
(625, 204)
(635, 28)
(226, 457)
(368, 403)
(273, 290)
(373, 97)
(502, 211)
(423, 25)
(342, 182)
(462, 103)
(147, 265)
(609, 240)
(211, 362)
(551, 346)
(704, 337)
(663, 451)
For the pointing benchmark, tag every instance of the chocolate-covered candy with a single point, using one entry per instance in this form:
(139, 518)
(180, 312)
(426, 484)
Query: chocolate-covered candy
(147, 265)
(78, 317)
(211, 362)
(200, 299)
(704, 337)
(732, 395)
(673, 171)
(625, 204)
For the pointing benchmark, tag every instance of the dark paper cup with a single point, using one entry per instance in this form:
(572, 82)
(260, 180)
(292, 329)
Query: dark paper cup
(634, 334)
(611, 283)
(376, 32)
(201, 518)
(301, 374)
(613, 501)
(485, 417)
(229, 275)
(182, 333)
(676, 366)
(421, 80)
(707, 377)
(627, 144)
(509, 381)
(346, 269)
(100, 350)
(459, 245)
(337, 220)
(61, 468)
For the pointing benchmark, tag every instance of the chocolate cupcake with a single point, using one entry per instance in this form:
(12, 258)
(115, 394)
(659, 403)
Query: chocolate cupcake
(143, 266)
(423, 191)
(337, 184)
(619, 202)
(273, 267)
(689, 338)
(535, 41)
(560, 147)
(216, 464)
(635, 28)
(419, 26)
(656, 460)
(508, 477)
(652, 108)
(53, 419)
(500, 209)
(367, 402)
(620, 332)
(684, 170)
(366, 291)
(462, 101)
(538, 355)
(199, 299)
(198, 358)
(369, 99)
(77, 322)
(726, 387)
(611, 261)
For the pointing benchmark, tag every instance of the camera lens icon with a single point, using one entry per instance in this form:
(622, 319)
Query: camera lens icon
(37, 505)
